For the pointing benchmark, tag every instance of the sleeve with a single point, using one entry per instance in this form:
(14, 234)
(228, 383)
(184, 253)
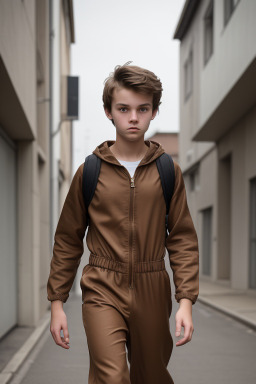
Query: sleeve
(182, 243)
(68, 242)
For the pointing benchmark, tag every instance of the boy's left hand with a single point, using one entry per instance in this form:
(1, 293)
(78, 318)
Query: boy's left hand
(183, 318)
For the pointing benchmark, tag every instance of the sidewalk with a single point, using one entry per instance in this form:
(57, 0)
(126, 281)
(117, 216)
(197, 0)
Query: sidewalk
(235, 303)
(40, 360)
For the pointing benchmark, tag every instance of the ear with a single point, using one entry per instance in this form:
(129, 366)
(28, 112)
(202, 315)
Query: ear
(108, 114)
(154, 114)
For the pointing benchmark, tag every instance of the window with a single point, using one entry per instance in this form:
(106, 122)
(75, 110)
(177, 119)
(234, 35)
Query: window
(207, 241)
(188, 72)
(194, 179)
(252, 210)
(229, 6)
(208, 33)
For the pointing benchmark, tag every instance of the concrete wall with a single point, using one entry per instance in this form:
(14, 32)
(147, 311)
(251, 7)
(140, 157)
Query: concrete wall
(240, 142)
(227, 63)
(66, 132)
(190, 109)
(226, 165)
(169, 141)
(25, 95)
(19, 58)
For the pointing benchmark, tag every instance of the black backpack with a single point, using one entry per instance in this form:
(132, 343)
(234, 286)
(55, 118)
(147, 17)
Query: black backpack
(91, 173)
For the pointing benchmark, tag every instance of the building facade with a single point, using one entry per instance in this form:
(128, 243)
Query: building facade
(35, 36)
(169, 141)
(218, 135)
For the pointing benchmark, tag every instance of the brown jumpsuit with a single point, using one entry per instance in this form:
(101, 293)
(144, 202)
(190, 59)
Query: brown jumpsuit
(125, 287)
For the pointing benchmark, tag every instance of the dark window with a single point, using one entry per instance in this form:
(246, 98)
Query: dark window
(207, 241)
(194, 179)
(188, 75)
(229, 6)
(208, 33)
(252, 210)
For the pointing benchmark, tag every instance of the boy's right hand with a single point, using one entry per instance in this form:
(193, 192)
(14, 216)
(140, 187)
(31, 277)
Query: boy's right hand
(58, 322)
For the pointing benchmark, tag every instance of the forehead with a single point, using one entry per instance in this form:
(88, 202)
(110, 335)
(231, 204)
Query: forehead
(130, 97)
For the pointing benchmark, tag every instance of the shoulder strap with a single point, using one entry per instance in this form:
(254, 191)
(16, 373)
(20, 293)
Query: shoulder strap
(91, 173)
(166, 171)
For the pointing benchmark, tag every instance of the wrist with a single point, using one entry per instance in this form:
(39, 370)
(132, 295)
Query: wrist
(57, 304)
(184, 302)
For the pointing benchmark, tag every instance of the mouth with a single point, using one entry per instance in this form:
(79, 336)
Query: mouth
(133, 129)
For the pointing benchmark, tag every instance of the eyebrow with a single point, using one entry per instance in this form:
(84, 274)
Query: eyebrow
(141, 105)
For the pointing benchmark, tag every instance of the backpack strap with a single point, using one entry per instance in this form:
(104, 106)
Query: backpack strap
(166, 171)
(91, 173)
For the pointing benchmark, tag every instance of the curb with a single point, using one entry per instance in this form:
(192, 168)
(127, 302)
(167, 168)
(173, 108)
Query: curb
(236, 316)
(18, 358)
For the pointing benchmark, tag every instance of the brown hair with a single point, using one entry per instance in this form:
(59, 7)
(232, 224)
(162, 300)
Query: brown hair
(132, 77)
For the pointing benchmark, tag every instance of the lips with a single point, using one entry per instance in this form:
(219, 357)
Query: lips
(134, 128)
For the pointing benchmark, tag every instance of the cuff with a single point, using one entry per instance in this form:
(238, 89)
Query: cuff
(58, 296)
(186, 295)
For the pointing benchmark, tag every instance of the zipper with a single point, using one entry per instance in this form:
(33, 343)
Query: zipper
(131, 219)
(132, 230)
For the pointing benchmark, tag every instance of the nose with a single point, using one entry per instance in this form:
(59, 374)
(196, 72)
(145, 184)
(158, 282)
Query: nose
(133, 116)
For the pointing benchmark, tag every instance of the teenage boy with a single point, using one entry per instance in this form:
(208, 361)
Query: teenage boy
(126, 289)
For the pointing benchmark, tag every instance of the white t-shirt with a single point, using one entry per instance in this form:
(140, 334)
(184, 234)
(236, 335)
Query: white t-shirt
(130, 165)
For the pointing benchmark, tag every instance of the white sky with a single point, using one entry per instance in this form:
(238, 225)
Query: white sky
(110, 33)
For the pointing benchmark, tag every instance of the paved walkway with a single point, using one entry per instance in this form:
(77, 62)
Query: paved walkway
(237, 304)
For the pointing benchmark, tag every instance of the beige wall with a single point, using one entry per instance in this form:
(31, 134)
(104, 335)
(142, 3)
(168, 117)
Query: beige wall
(240, 142)
(18, 55)
(66, 130)
(190, 151)
(25, 118)
(169, 141)
(226, 165)
(227, 63)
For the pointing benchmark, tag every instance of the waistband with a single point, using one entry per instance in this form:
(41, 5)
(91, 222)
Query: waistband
(141, 266)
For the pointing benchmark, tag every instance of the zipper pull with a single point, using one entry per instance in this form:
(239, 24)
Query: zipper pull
(132, 182)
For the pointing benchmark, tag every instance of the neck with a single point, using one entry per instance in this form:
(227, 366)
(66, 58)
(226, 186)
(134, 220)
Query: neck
(129, 150)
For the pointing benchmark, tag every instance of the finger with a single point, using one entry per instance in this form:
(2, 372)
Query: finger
(66, 334)
(187, 330)
(181, 342)
(59, 341)
(187, 336)
(53, 336)
(64, 341)
(178, 328)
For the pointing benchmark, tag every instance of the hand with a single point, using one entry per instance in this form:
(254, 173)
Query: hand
(183, 318)
(58, 322)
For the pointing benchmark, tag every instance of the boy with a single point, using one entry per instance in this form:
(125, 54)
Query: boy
(126, 289)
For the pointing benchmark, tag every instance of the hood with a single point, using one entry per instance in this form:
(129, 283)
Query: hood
(154, 151)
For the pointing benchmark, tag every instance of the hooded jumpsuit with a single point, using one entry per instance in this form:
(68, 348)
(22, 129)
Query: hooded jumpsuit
(126, 292)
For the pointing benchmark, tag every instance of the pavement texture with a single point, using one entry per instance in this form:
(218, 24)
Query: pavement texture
(238, 304)
(36, 352)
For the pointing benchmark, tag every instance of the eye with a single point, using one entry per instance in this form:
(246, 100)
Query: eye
(144, 109)
(122, 109)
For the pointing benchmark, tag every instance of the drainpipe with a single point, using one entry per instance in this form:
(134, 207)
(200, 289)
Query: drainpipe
(51, 38)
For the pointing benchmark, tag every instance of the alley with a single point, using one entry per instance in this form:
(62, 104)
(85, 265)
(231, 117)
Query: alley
(222, 350)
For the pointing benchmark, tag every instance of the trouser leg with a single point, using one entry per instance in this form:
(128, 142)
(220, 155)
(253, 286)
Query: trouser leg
(106, 333)
(151, 342)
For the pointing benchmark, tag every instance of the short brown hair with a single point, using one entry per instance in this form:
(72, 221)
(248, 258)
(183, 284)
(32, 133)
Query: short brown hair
(132, 77)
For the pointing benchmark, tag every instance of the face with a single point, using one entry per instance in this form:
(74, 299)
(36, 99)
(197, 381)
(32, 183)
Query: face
(131, 110)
